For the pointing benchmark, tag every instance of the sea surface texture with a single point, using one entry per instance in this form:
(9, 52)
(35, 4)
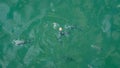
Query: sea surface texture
(59, 33)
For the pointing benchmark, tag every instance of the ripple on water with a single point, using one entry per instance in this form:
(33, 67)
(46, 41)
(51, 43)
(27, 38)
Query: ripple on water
(4, 9)
(106, 25)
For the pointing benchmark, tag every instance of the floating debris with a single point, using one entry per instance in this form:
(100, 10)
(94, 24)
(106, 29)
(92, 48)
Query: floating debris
(55, 25)
(72, 27)
(52, 7)
(21, 42)
(64, 31)
(18, 42)
(69, 27)
(118, 5)
(89, 66)
(96, 47)
(106, 25)
(60, 29)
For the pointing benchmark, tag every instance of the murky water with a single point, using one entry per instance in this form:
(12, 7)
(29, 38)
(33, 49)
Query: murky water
(59, 34)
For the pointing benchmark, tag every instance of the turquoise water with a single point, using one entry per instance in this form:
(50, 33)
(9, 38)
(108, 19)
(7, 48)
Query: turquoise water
(59, 34)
